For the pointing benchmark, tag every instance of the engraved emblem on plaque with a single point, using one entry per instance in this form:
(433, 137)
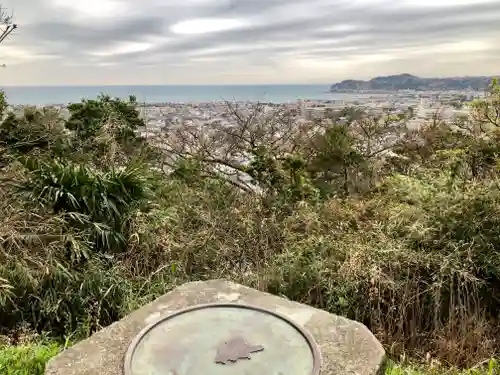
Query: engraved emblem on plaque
(234, 349)
(216, 338)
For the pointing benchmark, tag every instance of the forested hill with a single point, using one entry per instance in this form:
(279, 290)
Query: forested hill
(411, 82)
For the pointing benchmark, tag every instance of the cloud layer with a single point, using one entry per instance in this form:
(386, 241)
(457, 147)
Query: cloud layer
(247, 41)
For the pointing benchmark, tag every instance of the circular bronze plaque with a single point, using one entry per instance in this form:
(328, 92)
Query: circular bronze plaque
(223, 339)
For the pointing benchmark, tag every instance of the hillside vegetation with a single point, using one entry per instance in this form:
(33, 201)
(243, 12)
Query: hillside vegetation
(411, 82)
(97, 222)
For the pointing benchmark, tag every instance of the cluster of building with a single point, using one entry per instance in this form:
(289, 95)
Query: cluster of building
(162, 120)
(422, 106)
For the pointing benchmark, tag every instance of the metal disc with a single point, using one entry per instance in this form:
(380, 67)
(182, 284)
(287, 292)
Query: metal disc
(223, 339)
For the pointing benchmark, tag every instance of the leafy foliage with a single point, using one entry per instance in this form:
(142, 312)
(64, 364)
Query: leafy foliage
(88, 117)
(37, 130)
(353, 214)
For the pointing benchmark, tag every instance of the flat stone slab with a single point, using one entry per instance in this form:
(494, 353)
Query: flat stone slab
(346, 346)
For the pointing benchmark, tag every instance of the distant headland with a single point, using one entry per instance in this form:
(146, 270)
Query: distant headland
(410, 82)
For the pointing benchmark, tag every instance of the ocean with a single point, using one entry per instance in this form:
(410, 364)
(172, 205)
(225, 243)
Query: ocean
(47, 95)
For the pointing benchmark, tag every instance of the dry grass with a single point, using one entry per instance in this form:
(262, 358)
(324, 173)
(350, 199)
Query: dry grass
(351, 257)
(411, 255)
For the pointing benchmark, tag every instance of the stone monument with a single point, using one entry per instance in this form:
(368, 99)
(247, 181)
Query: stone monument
(221, 328)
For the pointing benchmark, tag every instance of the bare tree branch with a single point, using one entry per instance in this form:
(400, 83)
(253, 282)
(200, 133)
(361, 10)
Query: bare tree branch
(6, 21)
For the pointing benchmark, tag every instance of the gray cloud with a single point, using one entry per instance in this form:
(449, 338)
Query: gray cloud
(276, 33)
(373, 30)
(60, 36)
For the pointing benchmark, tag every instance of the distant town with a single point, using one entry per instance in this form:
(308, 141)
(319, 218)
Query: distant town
(422, 104)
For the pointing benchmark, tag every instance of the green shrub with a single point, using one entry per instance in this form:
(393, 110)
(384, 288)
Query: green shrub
(89, 116)
(27, 359)
(93, 235)
(100, 200)
(489, 367)
(63, 298)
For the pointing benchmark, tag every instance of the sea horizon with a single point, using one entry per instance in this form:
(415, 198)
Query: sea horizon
(176, 85)
(276, 93)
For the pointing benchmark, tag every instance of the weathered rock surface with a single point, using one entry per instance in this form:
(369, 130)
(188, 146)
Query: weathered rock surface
(347, 347)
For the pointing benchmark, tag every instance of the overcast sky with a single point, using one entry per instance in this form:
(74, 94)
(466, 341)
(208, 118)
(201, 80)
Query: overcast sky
(246, 41)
